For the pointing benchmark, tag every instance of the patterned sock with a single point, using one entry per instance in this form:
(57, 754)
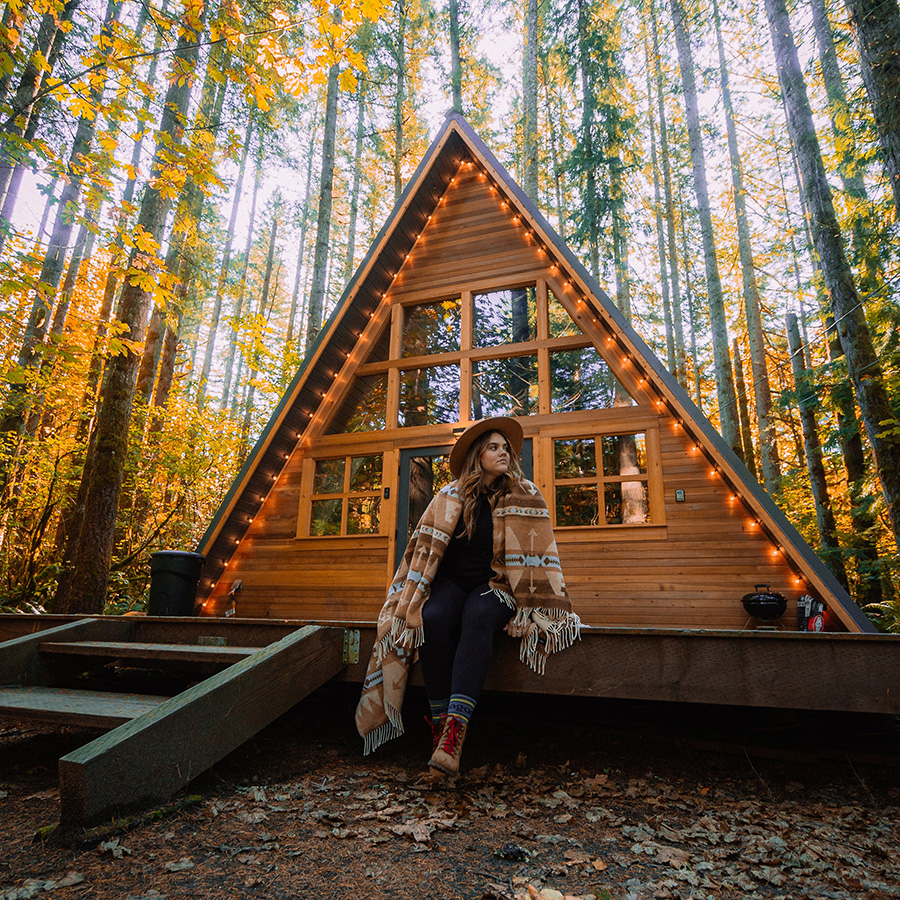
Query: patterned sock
(438, 708)
(461, 707)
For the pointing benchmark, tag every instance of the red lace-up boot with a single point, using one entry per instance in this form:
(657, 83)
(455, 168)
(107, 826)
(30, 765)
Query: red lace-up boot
(449, 747)
(437, 729)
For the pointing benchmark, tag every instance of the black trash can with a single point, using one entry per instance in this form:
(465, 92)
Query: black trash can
(174, 575)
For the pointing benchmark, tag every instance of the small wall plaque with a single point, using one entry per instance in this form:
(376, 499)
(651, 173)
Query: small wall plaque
(679, 496)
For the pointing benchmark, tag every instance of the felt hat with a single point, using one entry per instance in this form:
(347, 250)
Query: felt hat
(510, 428)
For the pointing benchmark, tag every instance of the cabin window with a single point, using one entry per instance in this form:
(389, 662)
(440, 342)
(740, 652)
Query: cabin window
(559, 322)
(601, 480)
(346, 497)
(364, 408)
(504, 387)
(431, 328)
(581, 379)
(429, 396)
(504, 317)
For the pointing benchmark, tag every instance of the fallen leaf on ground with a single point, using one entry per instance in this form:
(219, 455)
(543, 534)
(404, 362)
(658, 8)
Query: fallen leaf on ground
(181, 865)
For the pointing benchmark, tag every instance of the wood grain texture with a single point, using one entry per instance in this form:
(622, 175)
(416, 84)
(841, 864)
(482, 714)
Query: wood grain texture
(150, 758)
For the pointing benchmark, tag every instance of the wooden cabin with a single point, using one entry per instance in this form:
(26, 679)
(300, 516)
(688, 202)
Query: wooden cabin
(468, 305)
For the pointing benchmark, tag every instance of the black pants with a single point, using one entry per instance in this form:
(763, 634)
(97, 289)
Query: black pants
(460, 626)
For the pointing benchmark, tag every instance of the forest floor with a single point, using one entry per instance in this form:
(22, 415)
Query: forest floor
(558, 797)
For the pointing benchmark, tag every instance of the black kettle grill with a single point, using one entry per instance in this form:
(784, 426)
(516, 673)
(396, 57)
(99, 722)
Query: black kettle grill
(763, 604)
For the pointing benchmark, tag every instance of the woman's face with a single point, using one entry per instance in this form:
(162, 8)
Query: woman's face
(494, 458)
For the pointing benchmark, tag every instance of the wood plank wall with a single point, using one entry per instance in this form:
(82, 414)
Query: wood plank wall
(689, 572)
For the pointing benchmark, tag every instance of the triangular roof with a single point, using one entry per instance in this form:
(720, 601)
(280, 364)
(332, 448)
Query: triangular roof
(456, 145)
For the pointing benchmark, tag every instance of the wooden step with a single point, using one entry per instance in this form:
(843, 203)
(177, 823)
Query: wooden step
(148, 651)
(71, 707)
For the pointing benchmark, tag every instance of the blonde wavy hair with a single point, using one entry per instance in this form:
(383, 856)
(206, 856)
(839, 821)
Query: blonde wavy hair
(471, 487)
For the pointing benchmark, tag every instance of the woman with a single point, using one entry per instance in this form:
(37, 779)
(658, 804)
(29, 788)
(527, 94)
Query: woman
(482, 559)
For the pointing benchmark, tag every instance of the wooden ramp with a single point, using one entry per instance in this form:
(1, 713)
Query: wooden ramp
(158, 743)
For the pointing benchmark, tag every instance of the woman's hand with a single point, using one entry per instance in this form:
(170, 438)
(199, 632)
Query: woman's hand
(518, 630)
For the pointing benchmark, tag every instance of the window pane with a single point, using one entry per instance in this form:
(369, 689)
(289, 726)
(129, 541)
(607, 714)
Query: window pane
(624, 454)
(626, 503)
(504, 387)
(365, 473)
(575, 459)
(362, 515)
(581, 379)
(504, 317)
(561, 324)
(429, 396)
(382, 346)
(576, 505)
(329, 476)
(427, 475)
(326, 517)
(365, 406)
(431, 328)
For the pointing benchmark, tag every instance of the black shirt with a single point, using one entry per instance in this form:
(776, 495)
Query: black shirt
(466, 562)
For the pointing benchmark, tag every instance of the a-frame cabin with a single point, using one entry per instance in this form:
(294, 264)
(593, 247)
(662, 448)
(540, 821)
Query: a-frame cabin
(468, 304)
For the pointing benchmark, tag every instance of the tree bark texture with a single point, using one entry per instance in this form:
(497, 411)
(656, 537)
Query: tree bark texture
(530, 97)
(743, 409)
(95, 546)
(876, 24)
(455, 61)
(357, 177)
(806, 403)
(301, 252)
(323, 221)
(680, 369)
(759, 370)
(728, 414)
(862, 360)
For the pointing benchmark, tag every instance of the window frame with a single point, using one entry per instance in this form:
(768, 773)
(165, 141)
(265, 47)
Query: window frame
(624, 422)
(309, 496)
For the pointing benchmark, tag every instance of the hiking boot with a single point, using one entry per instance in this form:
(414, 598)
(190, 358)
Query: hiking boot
(446, 755)
(437, 729)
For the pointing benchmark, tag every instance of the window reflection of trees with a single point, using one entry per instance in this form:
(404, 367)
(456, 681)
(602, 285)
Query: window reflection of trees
(429, 396)
(356, 480)
(427, 475)
(504, 387)
(585, 467)
(581, 379)
(431, 328)
(504, 317)
(365, 407)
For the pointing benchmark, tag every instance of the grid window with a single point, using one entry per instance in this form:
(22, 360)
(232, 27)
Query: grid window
(346, 496)
(601, 480)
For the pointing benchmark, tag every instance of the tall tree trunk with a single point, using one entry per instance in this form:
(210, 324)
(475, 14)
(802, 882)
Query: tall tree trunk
(21, 110)
(552, 119)
(876, 24)
(677, 319)
(323, 222)
(660, 237)
(862, 360)
(399, 96)
(530, 95)
(95, 541)
(588, 109)
(768, 444)
(301, 252)
(866, 241)
(692, 317)
(806, 403)
(231, 390)
(263, 306)
(743, 408)
(31, 350)
(223, 271)
(455, 63)
(357, 177)
(728, 413)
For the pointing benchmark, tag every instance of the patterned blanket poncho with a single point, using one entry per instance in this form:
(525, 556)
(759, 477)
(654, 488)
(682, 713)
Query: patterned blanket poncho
(530, 581)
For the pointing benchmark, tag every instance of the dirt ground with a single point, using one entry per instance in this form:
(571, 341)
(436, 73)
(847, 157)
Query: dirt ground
(559, 797)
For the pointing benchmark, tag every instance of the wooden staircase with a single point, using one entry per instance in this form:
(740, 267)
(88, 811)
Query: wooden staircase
(215, 684)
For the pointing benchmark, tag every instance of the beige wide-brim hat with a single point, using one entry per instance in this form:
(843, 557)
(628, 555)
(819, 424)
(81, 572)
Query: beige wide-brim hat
(508, 427)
